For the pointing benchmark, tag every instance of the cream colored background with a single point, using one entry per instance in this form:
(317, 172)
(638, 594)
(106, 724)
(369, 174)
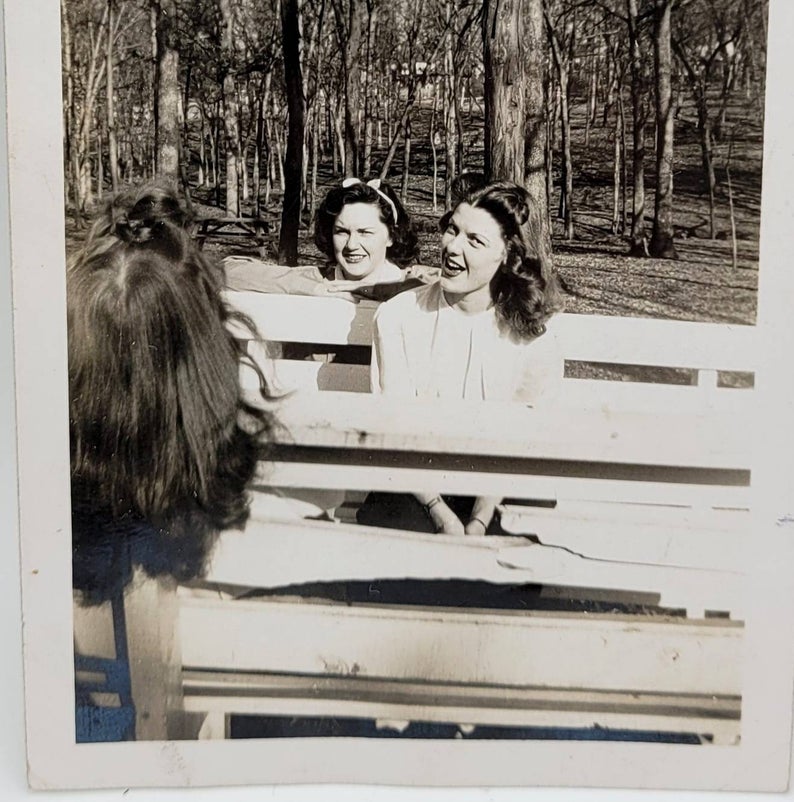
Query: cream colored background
(37, 237)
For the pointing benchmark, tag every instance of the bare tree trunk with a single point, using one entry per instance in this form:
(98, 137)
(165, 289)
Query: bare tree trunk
(214, 148)
(245, 191)
(406, 162)
(567, 163)
(592, 85)
(704, 129)
(616, 175)
(536, 179)
(352, 75)
(263, 101)
(734, 253)
(231, 113)
(100, 172)
(202, 166)
(504, 59)
(256, 169)
(340, 141)
(639, 111)
(166, 92)
(662, 245)
(69, 110)
(216, 153)
(291, 206)
(433, 147)
(85, 121)
(458, 109)
(113, 150)
(563, 76)
(550, 127)
(623, 160)
(372, 15)
(450, 102)
(270, 167)
(315, 155)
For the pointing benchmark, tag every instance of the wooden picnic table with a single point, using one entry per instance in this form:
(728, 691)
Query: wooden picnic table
(222, 227)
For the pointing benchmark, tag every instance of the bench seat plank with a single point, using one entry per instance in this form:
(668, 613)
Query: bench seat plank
(294, 695)
(478, 647)
(276, 554)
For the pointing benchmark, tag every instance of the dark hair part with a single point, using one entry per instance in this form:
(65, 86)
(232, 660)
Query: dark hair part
(403, 251)
(524, 294)
(162, 442)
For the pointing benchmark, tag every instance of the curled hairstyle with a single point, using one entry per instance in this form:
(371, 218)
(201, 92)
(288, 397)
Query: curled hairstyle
(403, 251)
(162, 442)
(524, 295)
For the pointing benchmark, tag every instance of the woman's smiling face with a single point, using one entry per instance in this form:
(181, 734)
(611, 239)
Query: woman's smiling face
(360, 239)
(472, 250)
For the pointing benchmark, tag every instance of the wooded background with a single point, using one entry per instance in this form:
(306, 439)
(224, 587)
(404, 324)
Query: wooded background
(255, 106)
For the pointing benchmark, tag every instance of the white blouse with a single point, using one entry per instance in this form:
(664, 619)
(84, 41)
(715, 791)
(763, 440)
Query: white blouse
(425, 348)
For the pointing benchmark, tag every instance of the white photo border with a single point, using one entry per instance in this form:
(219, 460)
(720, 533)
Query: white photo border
(760, 762)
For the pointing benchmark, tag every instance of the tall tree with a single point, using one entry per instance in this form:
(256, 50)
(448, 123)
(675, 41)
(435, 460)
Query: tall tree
(113, 151)
(231, 110)
(166, 83)
(450, 101)
(662, 243)
(562, 52)
(505, 109)
(350, 22)
(708, 37)
(536, 130)
(639, 118)
(296, 112)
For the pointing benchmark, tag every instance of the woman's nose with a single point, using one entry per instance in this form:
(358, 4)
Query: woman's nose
(453, 244)
(352, 242)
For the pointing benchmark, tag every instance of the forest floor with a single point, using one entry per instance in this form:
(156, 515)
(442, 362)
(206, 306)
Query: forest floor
(598, 275)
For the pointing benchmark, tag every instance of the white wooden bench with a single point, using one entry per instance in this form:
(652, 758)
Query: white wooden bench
(638, 493)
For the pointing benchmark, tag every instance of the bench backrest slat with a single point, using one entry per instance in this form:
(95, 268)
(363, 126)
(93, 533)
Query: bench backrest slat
(611, 351)
(589, 338)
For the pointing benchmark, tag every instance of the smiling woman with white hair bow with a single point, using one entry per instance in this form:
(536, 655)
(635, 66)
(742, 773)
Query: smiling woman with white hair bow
(367, 237)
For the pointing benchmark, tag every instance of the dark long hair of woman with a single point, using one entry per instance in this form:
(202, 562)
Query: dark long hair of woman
(163, 444)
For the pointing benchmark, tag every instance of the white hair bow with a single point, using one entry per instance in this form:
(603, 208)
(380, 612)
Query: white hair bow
(374, 184)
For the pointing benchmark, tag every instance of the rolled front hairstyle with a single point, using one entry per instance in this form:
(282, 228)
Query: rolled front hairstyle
(524, 298)
(163, 444)
(403, 251)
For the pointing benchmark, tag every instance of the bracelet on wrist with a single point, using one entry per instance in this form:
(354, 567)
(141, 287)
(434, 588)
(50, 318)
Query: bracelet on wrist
(479, 521)
(432, 503)
(427, 508)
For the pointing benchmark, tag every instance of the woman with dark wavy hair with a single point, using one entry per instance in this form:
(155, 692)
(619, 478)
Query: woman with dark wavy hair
(163, 444)
(367, 237)
(479, 333)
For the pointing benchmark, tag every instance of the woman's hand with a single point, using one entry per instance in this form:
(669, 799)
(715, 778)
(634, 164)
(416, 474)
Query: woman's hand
(481, 515)
(475, 527)
(337, 289)
(446, 522)
(365, 290)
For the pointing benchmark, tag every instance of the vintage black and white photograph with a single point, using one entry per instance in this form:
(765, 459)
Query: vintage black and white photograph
(419, 365)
